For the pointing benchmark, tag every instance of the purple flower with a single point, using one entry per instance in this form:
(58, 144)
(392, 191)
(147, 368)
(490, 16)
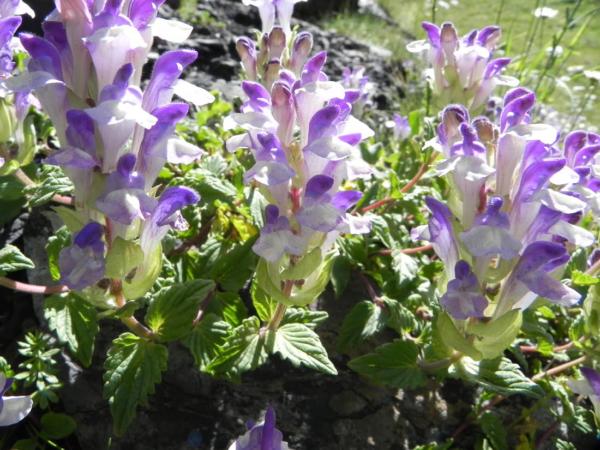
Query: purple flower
(261, 436)
(400, 127)
(589, 386)
(12, 409)
(167, 215)
(490, 234)
(273, 11)
(463, 70)
(320, 210)
(124, 199)
(82, 264)
(463, 297)
(533, 276)
(277, 237)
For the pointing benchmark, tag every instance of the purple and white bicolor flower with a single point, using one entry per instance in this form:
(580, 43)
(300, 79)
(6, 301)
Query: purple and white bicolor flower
(400, 127)
(82, 263)
(15, 408)
(261, 436)
(515, 204)
(277, 237)
(463, 69)
(275, 12)
(463, 297)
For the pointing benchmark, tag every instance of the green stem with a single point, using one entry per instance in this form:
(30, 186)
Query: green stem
(279, 313)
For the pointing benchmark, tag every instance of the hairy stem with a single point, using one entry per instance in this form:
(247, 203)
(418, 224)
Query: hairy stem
(130, 322)
(32, 288)
(559, 369)
(281, 308)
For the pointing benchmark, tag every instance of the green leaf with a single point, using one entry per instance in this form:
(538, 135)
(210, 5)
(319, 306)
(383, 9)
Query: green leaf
(11, 188)
(580, 278)
(363, 321)
(172, 313)
(245, 349)
(340, 274)
(206, 339)
(57, 426)
(132, 368)
(232, 271)
(451, 337)
(302, 347)
(497, 335)
(393, 364)
(60, 240)
(123, 257)
(229, 306)
(494, 431)
(399, 318)
(53, 181)
(265, 306)
(499, 375)
(312, 319)
(404, 266)
(12, 260)
(75, 323)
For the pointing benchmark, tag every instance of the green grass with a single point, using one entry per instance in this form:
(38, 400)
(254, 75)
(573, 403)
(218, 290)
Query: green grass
(516, 19)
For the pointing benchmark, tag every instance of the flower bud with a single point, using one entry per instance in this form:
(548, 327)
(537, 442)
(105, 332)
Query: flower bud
(277, 43)
(247, 52)
(302, 47)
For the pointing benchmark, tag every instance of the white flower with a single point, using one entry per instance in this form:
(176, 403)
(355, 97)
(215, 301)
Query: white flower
(12, 409)
(545, 13)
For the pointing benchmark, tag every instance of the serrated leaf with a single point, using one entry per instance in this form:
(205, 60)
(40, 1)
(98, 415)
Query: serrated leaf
(494, 430)
(12, 260)
(312, 319)
(580, 278)
(393, 364)
(399, 318)
(206, 339)
(132, 368)
(232, 270)
(265, 306)
(60, 240)
(229, 306)
(363, 321)
(405, 266)
(301, 346)
(53, 181)
(245, 349)
(122, 258)
(340, 274)
(172, 313)
(75, 323)
(499, 375)
(451, 337)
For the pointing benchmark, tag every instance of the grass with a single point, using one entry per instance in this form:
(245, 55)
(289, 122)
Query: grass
(564, 87)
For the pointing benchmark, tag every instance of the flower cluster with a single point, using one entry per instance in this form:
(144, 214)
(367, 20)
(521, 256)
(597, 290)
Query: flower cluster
(261, 436)
(304, 141)
(114, 137)
(13, 107)
(512, 217)
(462, 69)
(12, 409)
